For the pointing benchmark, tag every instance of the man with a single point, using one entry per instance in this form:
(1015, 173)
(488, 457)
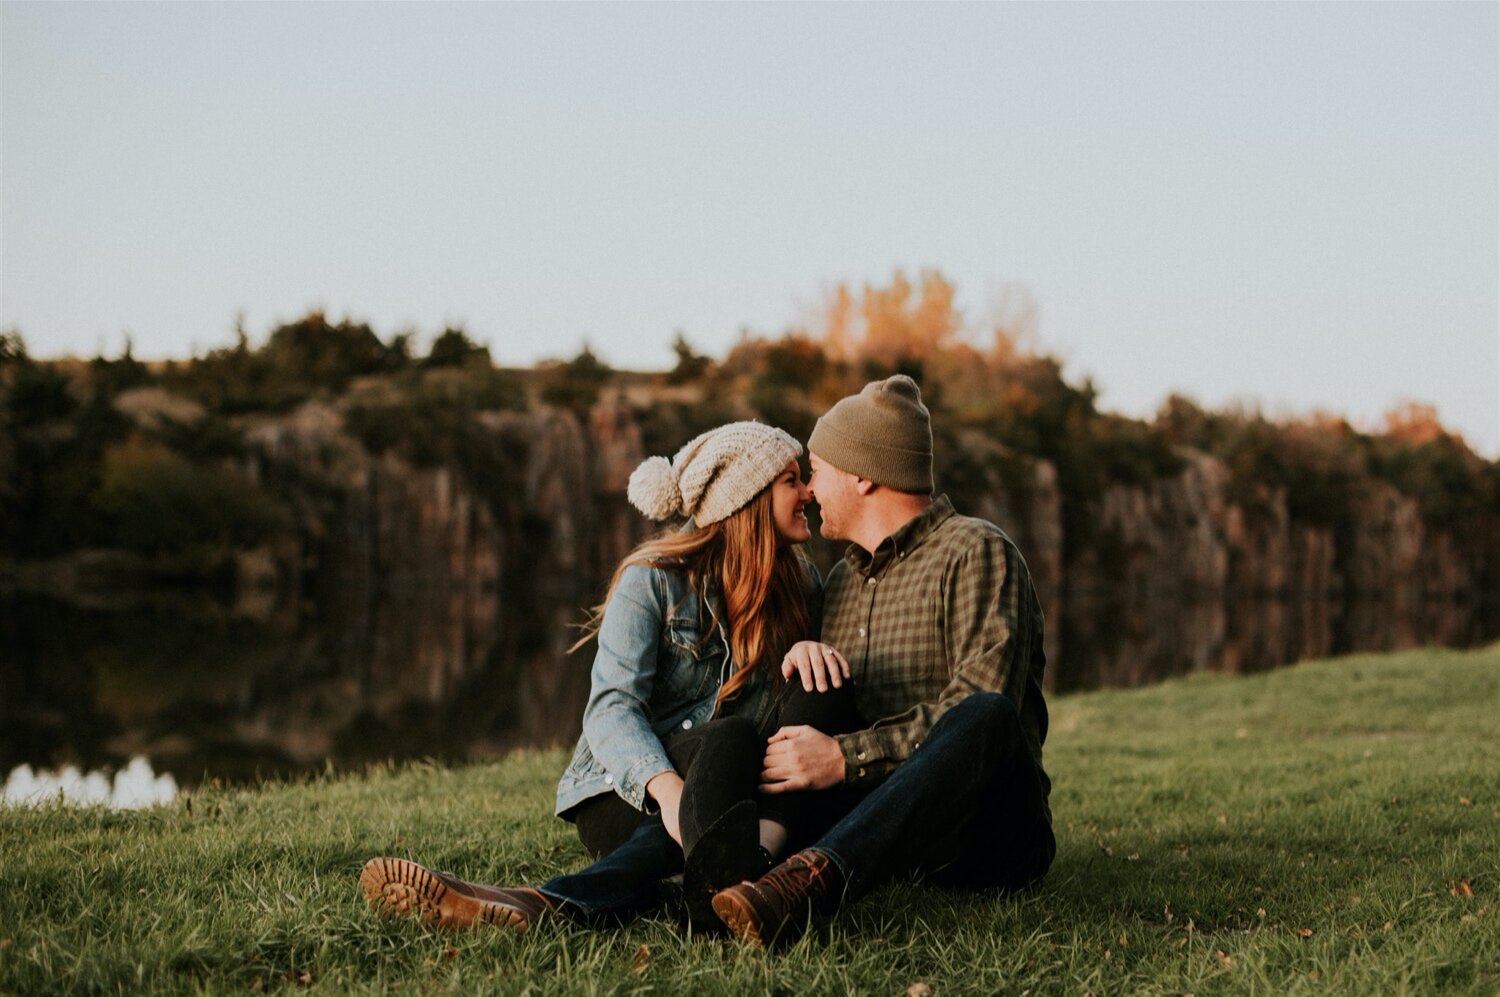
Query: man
(933, 617)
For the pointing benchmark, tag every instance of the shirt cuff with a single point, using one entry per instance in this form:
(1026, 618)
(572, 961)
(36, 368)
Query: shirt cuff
(633, 785)
(864, 757)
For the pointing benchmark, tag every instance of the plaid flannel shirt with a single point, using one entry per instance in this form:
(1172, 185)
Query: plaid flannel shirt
(944, 607)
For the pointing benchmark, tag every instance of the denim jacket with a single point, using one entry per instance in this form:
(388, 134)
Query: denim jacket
(663, 653)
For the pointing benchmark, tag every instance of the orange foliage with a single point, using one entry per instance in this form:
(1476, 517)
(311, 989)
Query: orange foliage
(1414, 422)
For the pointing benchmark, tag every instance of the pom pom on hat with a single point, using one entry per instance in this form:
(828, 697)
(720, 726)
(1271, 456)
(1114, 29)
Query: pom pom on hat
(653, 489)
(715, 475)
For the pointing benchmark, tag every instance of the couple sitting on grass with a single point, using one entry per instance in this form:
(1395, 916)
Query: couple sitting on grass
(748, 776)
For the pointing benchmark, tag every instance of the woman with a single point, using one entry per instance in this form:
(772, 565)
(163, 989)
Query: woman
(686, 686)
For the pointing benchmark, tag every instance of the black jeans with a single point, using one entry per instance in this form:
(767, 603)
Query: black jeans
(967, 809)
(720, 762)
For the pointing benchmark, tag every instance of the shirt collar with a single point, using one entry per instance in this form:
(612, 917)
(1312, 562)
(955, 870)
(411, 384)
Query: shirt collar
(912, 533)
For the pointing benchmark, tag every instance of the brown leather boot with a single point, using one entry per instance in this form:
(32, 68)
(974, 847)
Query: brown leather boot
(399, 886)
(775, 907)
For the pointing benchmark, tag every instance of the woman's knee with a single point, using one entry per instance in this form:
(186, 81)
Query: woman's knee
(833, 711)
(729, 738)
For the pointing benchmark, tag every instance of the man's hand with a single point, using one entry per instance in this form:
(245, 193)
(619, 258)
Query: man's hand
(666, 789)
(801, 758)
(817, 663)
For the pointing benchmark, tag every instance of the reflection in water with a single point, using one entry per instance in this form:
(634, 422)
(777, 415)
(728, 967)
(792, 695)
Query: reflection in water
(206, 691)
(133, 787)
(1111, 646)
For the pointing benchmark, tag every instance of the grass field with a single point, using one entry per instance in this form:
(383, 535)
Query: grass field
(1331, 827)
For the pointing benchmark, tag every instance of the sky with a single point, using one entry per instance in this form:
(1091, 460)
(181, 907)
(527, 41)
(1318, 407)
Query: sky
(1295, 206)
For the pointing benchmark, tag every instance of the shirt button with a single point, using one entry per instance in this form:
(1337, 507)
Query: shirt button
(687, 725)
(608, 779)
(861, 631)
(861, 773)
(869, 581)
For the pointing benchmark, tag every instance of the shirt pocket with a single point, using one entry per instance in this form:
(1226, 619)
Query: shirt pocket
(689, 667)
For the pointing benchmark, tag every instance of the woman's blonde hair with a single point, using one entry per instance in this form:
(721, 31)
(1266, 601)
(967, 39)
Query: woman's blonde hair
(762, 581)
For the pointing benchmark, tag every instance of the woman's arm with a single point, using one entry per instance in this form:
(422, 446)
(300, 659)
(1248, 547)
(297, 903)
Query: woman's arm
(615, 722)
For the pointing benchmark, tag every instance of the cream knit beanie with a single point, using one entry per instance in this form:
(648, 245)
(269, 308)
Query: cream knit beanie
(882, 434)
(714, 475)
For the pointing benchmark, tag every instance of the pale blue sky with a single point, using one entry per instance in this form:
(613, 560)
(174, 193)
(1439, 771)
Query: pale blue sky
(1293, 204)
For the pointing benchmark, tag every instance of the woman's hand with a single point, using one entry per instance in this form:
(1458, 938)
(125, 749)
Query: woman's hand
(666, 789)
(818, 664)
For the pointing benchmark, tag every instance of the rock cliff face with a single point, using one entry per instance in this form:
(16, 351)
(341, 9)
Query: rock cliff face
(435, 572)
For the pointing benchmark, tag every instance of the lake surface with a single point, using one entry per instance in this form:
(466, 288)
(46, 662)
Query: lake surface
(206, 690)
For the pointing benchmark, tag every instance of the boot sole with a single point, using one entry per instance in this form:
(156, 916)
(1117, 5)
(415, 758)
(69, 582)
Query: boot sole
(739, 916)
(399, 887)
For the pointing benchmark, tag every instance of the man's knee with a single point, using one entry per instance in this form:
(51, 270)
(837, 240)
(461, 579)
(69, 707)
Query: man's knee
(981, 721)
(986, 710)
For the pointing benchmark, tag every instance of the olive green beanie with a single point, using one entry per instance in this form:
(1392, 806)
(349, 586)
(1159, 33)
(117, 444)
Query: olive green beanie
(883, 434)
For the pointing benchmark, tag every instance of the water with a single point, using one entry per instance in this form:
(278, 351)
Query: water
(209, 690)
(132, 788)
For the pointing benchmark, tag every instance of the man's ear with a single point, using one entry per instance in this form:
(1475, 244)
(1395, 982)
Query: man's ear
(864, 486)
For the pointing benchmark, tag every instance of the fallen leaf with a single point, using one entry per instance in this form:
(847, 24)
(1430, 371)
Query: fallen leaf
(1122, 940)
(450, 952)
(1108, 851)
(1224, 958)
(6, 942)
(642, 957)
(919, 989)
(1167, 910)
(1463, 889)
(303, 977)
(1260, 912)
(1386, 926)
(1223, 820)
(1305, 932)
(1466, 801)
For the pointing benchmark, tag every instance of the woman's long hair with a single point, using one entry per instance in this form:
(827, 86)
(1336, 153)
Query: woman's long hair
(762, 581)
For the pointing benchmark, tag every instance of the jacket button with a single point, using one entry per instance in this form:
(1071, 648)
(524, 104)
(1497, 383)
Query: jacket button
(687, 725)
(860, 756)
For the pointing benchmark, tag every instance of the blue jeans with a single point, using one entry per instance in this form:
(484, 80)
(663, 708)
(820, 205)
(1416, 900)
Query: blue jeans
(967, 809)
(623, 882)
